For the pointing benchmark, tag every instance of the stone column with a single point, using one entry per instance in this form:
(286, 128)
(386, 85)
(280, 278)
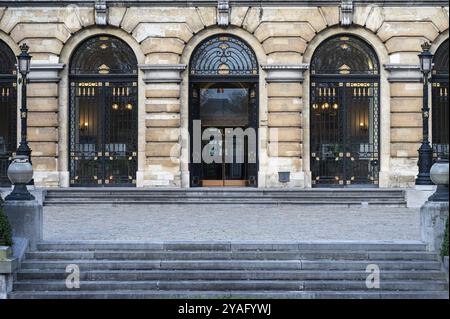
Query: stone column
(285, 136)
(42, 93)
(162, 122)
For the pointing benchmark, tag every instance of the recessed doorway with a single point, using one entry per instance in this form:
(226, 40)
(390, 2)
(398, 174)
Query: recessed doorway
(223, 114)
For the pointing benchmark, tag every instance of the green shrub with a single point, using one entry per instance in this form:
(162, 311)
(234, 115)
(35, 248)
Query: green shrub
(444, 250)
(5, 228)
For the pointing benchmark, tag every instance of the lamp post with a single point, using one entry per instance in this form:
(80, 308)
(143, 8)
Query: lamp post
(425, 151)
(20, 171)
(23, 64)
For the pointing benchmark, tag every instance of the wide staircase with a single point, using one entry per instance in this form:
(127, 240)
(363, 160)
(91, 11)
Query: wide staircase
(131, 196)
(232, 270)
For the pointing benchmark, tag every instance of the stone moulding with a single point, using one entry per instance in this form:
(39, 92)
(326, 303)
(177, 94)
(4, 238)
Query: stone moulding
(162, 73)
(285, 72)
(46, 73)
(184, 3)
(403, 72)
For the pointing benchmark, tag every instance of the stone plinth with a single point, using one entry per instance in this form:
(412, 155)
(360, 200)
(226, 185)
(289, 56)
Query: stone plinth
(433, 216)
(26, 220)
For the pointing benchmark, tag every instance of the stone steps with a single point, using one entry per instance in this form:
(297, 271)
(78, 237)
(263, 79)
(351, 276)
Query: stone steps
(238, 264)
(231, 270)
(107, 196)
(42, 256)
(151, 294)
(347, 246)
(236, 274)
(248, 284)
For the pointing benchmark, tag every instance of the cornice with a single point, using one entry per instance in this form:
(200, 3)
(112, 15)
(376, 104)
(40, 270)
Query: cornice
(258, 3)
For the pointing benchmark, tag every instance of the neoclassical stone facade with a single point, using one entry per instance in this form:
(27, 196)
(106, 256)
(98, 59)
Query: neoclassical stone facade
(283, 36)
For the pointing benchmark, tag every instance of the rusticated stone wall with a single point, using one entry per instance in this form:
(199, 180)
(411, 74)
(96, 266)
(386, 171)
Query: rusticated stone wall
(283, 39)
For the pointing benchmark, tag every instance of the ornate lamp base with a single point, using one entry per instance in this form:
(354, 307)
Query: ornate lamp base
(20, 192)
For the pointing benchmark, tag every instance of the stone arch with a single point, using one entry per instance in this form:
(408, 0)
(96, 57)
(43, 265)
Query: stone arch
(385, 120)
(9, 42)
(65, 56)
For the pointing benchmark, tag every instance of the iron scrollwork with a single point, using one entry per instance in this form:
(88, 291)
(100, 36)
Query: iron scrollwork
(223, 55)
(345, 114)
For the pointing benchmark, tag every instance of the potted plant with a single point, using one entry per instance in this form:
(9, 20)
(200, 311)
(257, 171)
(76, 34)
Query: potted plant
(444, 250)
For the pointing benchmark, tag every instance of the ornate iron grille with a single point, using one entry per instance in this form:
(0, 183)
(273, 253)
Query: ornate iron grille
(103, 133)
(345, 55)
(344, 113)
(223, 55)
(439, 110)
(103, 55)
(8, 110)
(344, 133)
(7, 60)
(440, 117)
(103, 114)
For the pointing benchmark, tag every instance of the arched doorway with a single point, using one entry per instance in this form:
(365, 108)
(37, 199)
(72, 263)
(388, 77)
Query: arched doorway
(439, 111)
(8, 110)
(103, 128)
(344, 113)
(223, 113)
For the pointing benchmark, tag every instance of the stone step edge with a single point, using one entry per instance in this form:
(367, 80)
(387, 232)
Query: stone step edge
(235, 246)
(358, 294)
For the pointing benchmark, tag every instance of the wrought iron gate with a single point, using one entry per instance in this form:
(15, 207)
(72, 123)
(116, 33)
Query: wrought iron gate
(344, 132)
(8, 129)
(440, 119)
(103, 133)
(439, 111)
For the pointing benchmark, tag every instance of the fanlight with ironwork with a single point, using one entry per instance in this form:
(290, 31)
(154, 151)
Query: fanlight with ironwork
(7, 59)
(344, 55)
(103, 55)
(223, 55)
(441, 60)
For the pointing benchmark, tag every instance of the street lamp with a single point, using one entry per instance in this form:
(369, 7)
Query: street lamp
(425, 151)
(23, 64)
(20, 171)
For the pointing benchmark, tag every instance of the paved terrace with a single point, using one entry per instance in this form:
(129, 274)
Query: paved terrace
(230, 222)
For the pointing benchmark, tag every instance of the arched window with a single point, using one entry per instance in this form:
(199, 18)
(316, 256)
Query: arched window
(441, 60)
(223, 95)
(344, 113)
(223, 55)
(103, 55)
(439, 112)
(7, 60)
(8, 109)
(345, 55)
(103, 113)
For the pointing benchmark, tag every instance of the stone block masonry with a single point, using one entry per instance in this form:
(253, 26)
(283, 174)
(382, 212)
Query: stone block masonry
(283, 37)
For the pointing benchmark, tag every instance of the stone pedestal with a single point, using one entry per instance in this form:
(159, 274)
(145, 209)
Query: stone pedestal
(8, 265)
(26, 220)
(433, 216)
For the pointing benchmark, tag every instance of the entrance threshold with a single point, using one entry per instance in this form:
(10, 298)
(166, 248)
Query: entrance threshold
(224, 183)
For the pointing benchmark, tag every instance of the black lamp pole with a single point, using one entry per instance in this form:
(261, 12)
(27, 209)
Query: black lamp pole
(425, 151)
(24, 60)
